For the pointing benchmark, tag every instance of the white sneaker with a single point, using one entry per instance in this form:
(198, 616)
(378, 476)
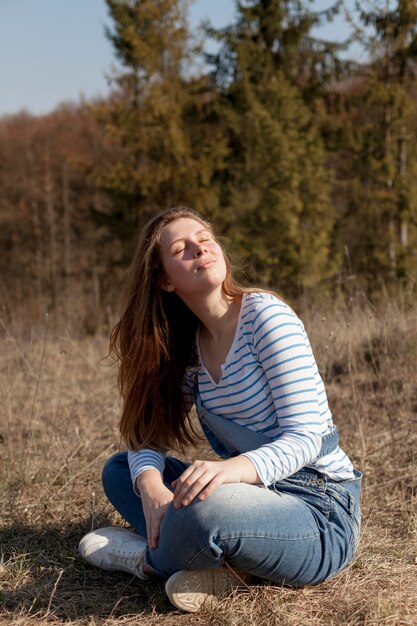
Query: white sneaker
(189, 590)
(115, 548)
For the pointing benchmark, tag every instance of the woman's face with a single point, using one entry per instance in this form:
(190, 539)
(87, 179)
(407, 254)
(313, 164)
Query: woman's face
(192, 259)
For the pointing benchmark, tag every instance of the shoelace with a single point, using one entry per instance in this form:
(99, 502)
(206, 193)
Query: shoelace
(123, 558)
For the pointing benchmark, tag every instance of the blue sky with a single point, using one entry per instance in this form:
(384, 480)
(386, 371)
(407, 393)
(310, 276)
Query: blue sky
(55, 50)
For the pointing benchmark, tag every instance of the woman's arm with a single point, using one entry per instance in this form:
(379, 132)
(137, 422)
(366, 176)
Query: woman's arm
(282, 349)
(156, 498)
(146, 469)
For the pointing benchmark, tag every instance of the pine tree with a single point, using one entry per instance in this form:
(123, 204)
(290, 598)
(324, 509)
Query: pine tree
(165, 146)
(382, 139)
(277, 211)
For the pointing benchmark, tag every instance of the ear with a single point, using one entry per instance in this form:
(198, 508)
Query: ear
(166, 284)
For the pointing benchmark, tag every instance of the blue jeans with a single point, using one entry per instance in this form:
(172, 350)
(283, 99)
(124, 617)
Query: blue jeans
(300, 531)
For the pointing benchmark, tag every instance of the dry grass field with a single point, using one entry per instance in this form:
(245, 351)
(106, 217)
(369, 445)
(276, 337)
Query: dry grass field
(58, 422)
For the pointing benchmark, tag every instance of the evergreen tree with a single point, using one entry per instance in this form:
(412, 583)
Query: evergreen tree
(381, 135)
(276, 203)
(165, 150)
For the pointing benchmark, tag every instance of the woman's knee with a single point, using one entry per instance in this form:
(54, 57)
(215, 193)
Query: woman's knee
(206, 517)
(196, 529)
(112, 468)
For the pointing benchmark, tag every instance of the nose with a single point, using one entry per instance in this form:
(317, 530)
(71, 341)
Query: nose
(199, 249)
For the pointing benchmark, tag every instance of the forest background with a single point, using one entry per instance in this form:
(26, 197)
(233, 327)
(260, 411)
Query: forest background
(306, 162)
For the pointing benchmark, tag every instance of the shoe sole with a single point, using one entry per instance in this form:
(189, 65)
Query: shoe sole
(190, 590)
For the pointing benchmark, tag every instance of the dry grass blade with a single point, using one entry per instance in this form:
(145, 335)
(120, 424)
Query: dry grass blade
(60, 574)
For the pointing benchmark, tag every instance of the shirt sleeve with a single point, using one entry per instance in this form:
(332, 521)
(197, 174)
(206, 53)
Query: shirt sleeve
(281, 346)
(143, 460)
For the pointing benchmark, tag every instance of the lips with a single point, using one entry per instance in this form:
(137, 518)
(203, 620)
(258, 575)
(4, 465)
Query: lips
(206, 264)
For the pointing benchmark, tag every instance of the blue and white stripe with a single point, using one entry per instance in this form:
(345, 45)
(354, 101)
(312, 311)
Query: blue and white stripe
(270, 383)
(143, 460)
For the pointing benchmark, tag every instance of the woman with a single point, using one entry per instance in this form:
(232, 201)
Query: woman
(282, 501)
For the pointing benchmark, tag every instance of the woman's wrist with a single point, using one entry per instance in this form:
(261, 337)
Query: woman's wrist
(244, 470)
(148, 480)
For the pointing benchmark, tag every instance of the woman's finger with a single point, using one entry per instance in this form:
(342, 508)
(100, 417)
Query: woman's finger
(185, 476)
(155, 525)
(154, 535)
(187, 494)
(185, 481)
(211, 487)
(184, 484)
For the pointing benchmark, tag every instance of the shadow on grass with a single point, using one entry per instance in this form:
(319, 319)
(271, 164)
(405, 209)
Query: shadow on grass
(42, 573)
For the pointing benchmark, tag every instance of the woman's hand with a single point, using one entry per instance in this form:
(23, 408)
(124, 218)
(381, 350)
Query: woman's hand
(156, 498)
(202, 478)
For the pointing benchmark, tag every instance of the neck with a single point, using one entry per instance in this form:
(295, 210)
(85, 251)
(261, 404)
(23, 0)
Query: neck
(217, 313)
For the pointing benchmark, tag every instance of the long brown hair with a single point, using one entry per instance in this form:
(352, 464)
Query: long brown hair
(154, 342)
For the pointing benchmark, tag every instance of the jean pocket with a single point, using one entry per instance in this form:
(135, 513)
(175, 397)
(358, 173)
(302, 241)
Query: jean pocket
(346, 498)
(315, 496)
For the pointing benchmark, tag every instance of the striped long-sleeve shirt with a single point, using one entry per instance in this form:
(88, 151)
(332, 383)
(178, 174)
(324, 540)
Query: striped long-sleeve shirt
(269, 383)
